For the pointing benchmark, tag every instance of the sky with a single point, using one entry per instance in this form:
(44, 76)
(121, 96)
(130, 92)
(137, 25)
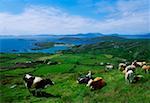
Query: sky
(30, 17)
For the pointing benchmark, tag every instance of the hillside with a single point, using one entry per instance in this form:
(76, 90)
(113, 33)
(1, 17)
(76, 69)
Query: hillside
(65, 67)
(125, 48)
(64, 75)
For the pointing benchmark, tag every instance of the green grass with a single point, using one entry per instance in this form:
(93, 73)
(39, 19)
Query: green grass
(129, 49)
(65, 74)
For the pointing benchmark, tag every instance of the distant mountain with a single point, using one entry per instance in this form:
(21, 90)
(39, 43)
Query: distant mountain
(83, 35)
(86, 35)
(90, 35)
(138, 36)
(87, 40)
(69, 38)
(108, 38)
(94, 35)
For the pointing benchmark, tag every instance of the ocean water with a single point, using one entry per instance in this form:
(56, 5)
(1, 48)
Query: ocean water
(26, 43)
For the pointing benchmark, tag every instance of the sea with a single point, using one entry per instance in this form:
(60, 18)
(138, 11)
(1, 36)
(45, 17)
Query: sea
(24, 44)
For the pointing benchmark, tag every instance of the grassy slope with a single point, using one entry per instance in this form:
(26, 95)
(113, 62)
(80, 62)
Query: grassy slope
(129, 49)
(64, 75)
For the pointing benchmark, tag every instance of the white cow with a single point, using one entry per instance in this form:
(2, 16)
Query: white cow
(109, 67)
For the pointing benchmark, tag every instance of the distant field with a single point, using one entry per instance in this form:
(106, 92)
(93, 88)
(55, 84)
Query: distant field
(125, 48)
(65, 74)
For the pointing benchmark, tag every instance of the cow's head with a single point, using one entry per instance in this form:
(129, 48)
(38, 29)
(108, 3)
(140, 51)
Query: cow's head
(48, 82)
(28, 80)
(27, 77)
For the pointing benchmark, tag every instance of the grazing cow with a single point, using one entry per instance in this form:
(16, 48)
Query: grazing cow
(37, 83)
(122, 66)
(138, 64)
(129, 67)
(129, 76)
(109, 67)
(85, 79)
(146, 68)
(97, 83)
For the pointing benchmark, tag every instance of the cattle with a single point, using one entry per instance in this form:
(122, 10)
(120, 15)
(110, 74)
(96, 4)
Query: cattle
(97, 83)
(109, 67)
(102, 63)
(129, 76)
(85, 79)
(138, 64)
(36, 83)
(122, 66)
(129, 67)
(52, 63)
(108, 63)
(146, 68)
(28, 62)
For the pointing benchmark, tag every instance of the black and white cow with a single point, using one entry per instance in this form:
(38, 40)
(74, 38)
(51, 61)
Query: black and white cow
(85, 79)
(129, 76)
(37, 83)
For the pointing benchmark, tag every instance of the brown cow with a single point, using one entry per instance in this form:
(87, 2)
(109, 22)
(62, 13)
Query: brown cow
(146, 68)
(97, 83)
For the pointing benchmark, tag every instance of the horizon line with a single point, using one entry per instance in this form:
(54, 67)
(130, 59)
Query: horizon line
(51, 34)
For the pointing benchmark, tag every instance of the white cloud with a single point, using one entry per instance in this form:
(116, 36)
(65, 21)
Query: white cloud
(50, 20)
(122, 7)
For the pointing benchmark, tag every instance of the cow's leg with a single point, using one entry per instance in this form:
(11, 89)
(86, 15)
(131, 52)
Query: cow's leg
(147, 71)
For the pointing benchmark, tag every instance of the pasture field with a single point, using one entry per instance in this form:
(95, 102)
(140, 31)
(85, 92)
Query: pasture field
(64, 74)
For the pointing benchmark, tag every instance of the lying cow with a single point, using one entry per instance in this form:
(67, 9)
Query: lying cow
(85, 79)
(109, 67)
(97, 83)
(36, 83)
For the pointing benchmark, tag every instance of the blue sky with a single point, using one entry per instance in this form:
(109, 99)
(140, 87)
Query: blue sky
(21, 17)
